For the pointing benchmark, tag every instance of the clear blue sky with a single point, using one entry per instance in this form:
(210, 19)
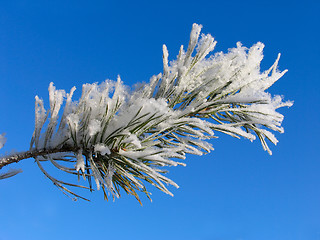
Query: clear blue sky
(238, 192)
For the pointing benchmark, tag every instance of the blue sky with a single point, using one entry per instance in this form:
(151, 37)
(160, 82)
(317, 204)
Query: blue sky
(238, 192)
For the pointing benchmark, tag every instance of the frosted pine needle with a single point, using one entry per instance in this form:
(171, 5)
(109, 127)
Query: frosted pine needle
(121, 139)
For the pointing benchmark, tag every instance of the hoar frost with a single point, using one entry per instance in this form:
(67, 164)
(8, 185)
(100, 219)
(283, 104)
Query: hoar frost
(121, 137)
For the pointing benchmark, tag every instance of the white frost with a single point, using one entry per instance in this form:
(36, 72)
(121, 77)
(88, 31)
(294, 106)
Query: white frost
(94, 127)
(80, 162)
(102, 149)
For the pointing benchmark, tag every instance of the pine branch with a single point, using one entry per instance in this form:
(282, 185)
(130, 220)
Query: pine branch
(122, 139)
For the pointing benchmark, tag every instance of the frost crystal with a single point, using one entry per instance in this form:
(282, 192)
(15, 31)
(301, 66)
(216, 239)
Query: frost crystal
(80, 162)
(128, 136)
(102, 149)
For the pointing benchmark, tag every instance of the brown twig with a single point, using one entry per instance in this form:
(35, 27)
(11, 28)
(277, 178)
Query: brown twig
(14, 158)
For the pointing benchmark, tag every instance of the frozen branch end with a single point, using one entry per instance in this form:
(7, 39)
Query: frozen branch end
(122, 139)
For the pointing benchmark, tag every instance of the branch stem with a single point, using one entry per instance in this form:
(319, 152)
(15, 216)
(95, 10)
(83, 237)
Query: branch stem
(17, 157)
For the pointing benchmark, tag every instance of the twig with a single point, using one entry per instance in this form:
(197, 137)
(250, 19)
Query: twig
(14, 158)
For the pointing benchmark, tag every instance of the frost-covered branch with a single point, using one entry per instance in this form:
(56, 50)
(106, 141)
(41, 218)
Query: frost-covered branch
(122, 139)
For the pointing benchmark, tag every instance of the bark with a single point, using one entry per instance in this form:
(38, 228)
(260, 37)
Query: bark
(17, 157)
